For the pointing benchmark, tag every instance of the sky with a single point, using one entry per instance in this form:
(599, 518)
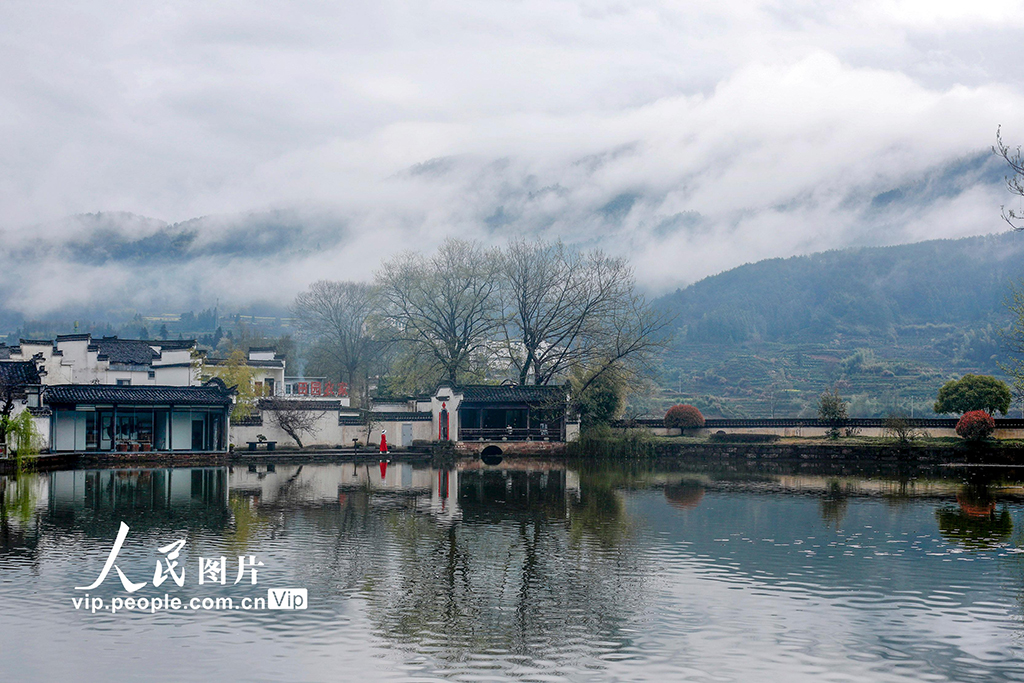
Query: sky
(690, 137)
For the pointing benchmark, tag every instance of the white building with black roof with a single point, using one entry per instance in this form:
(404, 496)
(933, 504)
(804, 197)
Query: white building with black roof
(81, 359)
(139, 418)
(503, 412)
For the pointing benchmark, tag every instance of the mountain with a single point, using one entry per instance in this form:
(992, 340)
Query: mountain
(888, 324)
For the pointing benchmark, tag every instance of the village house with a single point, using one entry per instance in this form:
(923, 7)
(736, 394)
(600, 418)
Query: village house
(80, 359)
(135, 395)
(267, 369)
(113, 394)
(501, 416)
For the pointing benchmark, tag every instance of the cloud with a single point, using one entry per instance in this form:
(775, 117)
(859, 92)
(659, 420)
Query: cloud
(691, 137)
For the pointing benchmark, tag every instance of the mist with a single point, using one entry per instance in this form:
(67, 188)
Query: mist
(164, 158)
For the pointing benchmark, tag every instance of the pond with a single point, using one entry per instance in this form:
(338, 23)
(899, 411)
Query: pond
(525, 570)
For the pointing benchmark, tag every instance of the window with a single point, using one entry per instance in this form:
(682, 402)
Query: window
(470, 418)
(124, 382)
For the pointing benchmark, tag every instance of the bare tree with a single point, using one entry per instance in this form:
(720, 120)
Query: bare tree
(898, 427)
(447, 304)
(1014, 183)
(564, 309)
(292, 417)
(336, 317)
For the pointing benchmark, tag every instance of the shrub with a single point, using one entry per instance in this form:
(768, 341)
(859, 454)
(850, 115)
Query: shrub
(683, 416)
(975, 425)
(898, 427)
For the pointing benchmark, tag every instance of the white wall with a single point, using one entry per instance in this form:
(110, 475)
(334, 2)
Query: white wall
(69, 431)
(452, 404)
(173, 376)
(330, 433)
(181, 431)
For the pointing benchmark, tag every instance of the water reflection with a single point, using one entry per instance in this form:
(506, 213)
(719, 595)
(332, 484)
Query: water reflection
(834, 503)
(686, 495)
(976, 523)
(537, 569)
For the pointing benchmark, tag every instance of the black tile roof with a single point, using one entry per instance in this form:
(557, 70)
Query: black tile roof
(74, 337)
(18, 373)
(504, 393)
(73, 394)
(250, 363)
(173, 344)
(285, 404)
(125, 351)
(402, 416)
(384, 416)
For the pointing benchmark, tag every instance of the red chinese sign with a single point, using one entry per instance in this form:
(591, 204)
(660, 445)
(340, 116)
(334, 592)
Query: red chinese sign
(318, 388)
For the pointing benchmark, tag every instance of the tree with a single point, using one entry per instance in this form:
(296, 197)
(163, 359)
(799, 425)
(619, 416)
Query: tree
(597, 399)
(832, 411)
(446, 304)
(235, 372)
(293, 418)
(1014, 183)
(898, 427)
(14, 376)
(562, 308)
(336, 316)
(973, 392)
(683, 416)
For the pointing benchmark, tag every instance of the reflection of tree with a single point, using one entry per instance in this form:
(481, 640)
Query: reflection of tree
(975, 524)
(834, 503)
(248, 521)
(18, 500)
(599, 513)
(686, 495)
(900, 492)
(509, 577)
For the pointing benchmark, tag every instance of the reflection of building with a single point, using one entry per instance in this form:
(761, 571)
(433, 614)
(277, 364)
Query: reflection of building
(525, 487)
(108, 497)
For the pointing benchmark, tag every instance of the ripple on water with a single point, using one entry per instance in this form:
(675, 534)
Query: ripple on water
(574, 586)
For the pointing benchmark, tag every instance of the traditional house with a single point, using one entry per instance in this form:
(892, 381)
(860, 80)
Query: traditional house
(80, 359)
(97, 417)
(504, 412)
(267, 369)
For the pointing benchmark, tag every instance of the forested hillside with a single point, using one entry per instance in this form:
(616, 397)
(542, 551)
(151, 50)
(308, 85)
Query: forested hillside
(888, 324)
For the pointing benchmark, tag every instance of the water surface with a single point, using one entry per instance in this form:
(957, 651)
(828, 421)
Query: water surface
(528, 570)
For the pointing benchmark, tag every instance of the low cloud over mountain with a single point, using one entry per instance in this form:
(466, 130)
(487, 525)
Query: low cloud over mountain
(272, 147)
